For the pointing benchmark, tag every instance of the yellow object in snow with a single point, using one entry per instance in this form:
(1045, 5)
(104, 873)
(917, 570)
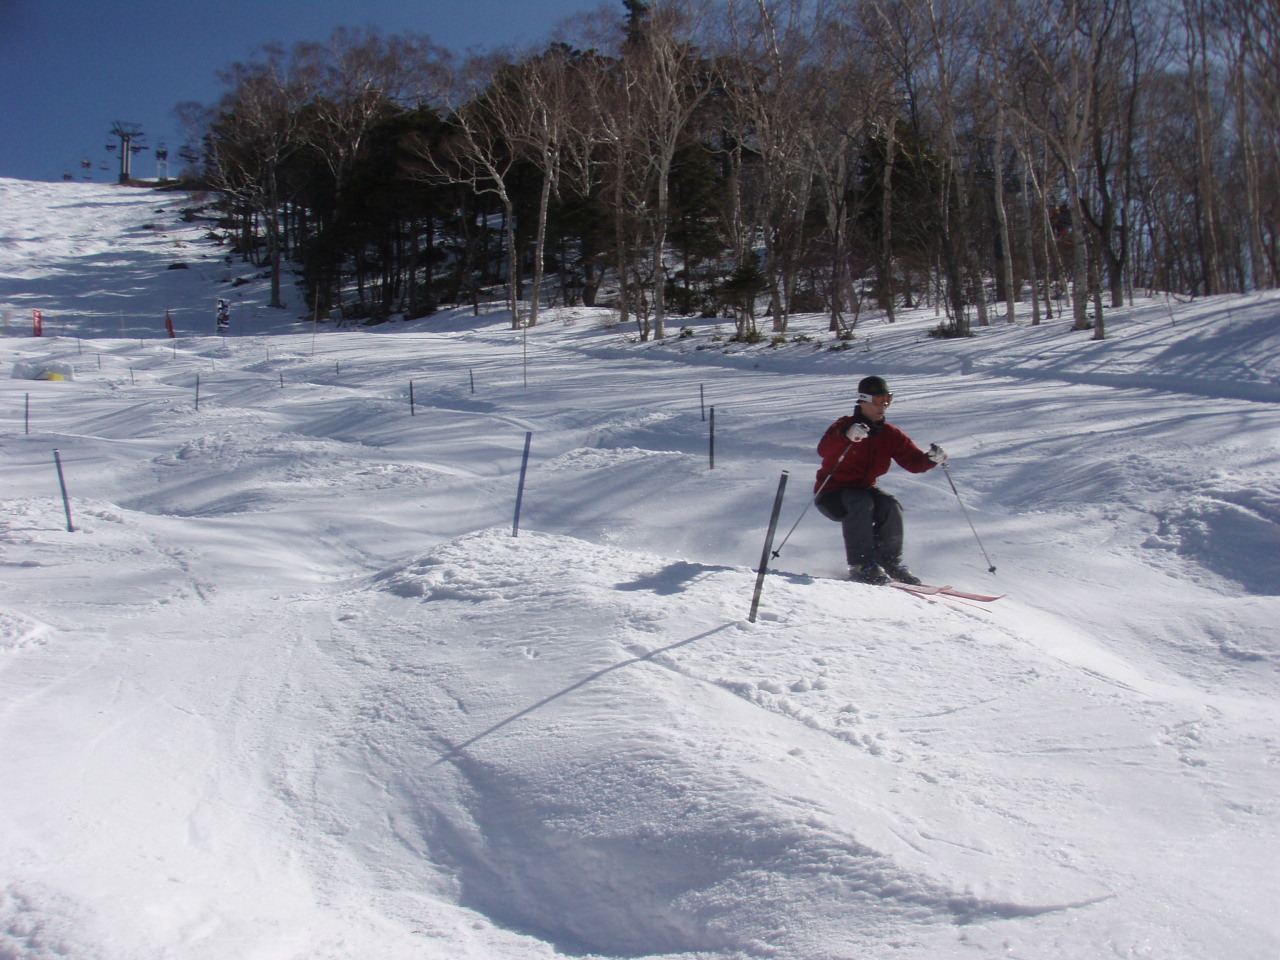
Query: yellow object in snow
(51, 375)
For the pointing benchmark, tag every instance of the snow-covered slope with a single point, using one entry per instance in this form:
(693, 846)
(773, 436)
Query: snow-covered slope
(292, 689)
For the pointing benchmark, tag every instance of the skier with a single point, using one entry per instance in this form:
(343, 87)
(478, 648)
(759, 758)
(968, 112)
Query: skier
(856, 451)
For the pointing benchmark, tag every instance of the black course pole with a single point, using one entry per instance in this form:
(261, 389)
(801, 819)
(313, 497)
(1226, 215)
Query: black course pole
(713, 438)
(66, 501)
(768, 547)
(524, 470)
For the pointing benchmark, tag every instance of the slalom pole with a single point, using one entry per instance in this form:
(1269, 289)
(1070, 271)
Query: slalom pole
(712, 438)
(524, 470)
(822, 486)
(768, 545)
(62, 482)
(991, 568)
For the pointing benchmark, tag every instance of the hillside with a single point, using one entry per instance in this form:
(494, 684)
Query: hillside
(291, 688)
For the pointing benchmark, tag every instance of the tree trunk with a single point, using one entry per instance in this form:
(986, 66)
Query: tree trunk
(659, 252)
(1002, 219)
(273, 243)
(620, 242)
(1031, 244)
(886, 227)
(1099, 325)
(513, 260)
(539, 244)
(1079, 255)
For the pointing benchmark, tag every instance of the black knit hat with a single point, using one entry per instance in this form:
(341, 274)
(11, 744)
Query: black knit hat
(872, 387)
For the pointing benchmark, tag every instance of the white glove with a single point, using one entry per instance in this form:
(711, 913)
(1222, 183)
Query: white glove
(936, 454)
(857, 431)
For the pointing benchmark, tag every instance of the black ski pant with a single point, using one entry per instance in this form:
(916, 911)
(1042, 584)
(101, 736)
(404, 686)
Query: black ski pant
(872, 523)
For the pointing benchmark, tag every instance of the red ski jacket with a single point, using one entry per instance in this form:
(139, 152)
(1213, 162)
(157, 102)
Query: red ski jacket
(867, 460)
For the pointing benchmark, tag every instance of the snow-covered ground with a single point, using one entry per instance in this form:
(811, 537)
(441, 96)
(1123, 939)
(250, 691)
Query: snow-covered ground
(292, 689)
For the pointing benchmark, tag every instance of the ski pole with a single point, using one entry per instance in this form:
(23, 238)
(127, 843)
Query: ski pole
(822, 486)
(990, 566)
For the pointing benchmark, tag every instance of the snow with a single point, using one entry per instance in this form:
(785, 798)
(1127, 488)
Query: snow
(290, 688)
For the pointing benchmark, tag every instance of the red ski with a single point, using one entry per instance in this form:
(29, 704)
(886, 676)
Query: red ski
(923, 589)
(965, 595)
(928, 590)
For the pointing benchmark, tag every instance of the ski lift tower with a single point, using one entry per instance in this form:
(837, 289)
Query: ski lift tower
(127, 132)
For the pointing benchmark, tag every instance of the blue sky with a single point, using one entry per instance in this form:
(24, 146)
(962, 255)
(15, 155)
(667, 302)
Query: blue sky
(70, 68)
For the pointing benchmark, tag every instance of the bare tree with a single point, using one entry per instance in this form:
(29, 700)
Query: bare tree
(851, 98)
(1053, 51)
(1119, 84)
(614, 157)
(479, 153)
(1248, 46)
(890, 36)
(665, 81)
(1258, 26)
(777, 92)
(537, 99)
(1002, 216)
(361, 79)
(924, 42)
(255, 134)
(1206, 119)
(993, 83)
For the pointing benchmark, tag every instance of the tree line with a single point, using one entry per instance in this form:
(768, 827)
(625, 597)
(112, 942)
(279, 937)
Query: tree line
(998, 159)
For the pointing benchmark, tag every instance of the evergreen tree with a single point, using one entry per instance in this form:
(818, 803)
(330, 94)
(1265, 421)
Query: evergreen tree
(637, 19)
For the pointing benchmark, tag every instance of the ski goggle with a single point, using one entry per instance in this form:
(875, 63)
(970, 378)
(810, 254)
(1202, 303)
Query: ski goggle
(880, 399)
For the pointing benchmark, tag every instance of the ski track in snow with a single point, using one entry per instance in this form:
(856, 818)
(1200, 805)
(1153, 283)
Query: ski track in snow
(291, 688)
